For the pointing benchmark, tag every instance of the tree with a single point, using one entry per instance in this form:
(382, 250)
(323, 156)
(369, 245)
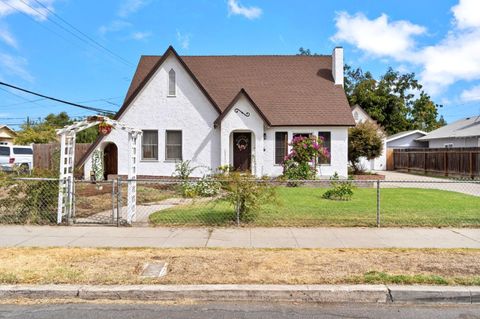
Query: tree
(364, 140)
(396, 101)
(44, 131)
(307, 52)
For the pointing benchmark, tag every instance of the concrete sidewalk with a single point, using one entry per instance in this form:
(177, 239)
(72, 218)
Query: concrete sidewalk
(99, 236)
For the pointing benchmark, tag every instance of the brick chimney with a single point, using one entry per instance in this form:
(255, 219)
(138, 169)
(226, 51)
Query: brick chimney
(337, 65)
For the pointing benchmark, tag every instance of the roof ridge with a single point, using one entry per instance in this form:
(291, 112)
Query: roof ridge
(246, 55)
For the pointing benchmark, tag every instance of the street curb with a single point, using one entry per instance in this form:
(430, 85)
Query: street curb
(251, 293)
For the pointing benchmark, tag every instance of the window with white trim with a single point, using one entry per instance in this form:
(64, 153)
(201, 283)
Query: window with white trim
(173, 145)
(171, 83)
(150, 145)
(327, 143)
(281, 147)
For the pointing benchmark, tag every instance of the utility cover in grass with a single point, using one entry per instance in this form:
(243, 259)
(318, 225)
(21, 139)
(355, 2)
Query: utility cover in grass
(154, 270)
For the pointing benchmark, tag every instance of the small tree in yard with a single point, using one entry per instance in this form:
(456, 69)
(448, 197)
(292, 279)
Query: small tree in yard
(364, 140)
(247, 194)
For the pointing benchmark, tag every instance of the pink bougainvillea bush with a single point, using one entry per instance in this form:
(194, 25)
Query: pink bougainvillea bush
(301, 162)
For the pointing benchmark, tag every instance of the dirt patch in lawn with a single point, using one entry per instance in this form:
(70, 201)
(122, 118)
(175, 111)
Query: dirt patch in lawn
(94, 198)
(241, 266)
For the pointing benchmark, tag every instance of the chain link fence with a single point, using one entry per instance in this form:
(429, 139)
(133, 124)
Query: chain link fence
(252, 203)
(28, 201)
(441, 203)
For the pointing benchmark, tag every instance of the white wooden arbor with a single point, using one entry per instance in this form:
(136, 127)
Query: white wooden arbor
(67, 160)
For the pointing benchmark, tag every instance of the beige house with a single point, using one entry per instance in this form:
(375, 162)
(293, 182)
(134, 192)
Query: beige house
(7, 135)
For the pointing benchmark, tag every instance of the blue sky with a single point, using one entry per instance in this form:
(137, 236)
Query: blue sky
(438, 40)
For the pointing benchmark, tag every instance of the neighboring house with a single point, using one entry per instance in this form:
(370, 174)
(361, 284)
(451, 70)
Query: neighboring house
(406, 139)
(229, 110)
(462, 133)
(379, 163)
(7, 135)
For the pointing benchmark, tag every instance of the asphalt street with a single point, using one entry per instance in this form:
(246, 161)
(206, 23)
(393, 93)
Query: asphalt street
(237, 310)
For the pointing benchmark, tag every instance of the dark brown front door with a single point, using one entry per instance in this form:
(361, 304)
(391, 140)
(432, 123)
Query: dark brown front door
(242, 151)
(110, 159)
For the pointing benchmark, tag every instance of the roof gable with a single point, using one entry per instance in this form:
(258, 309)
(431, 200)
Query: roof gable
(289, 90)
(400, 135)
(234, 102)
(146, 69)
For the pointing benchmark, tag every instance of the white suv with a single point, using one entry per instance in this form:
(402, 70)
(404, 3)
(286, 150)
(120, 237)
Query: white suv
(16, 157)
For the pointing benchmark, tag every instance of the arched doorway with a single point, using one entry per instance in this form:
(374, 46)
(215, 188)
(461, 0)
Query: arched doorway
(110, 160)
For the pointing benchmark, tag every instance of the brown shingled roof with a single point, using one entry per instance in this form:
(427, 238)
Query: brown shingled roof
(289, 90)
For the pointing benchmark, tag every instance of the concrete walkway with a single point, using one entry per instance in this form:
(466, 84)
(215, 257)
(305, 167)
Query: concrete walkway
(99, 236)
(402, 180)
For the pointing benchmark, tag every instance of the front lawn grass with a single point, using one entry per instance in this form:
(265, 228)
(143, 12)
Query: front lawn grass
(101, 266)
(302, 206)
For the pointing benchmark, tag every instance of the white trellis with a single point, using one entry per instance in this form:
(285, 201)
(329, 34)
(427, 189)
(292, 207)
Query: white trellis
(67, 160)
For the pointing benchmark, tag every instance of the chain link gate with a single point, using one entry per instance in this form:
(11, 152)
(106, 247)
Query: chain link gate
(97, 202)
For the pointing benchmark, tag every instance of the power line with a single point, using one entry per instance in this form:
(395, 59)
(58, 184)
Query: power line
(42, 25)
(113, 54)
(19, 96)
(20, 103)
(90, 108)
(82, 33)
(75, 35)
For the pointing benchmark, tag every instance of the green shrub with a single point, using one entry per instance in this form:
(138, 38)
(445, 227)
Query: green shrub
(247, 194)
(183, 170)
(28, 201)
(341, 190)
(207, 187)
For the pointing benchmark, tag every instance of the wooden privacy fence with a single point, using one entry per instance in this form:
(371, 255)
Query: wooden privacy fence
(458, 162)
(47, 156)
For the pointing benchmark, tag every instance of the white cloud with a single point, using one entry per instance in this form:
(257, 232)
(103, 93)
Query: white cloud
(8, 38)
(378, 36)
(15, 66)
(466, 14)
(183, 39)
(140, 35)
(454, 58)
(470, 95)
(114, 26)
(29, 7)
(131, 6)
(235, 8)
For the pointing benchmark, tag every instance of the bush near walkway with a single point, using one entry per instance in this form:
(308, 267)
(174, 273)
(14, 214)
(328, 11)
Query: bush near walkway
(305, 207)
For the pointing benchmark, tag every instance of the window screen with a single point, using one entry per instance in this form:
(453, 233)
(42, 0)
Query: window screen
(173, 145)
(150, 145)
(327, 144)
(281, 146)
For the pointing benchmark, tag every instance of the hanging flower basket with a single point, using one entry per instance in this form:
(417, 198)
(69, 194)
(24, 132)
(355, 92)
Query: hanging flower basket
(104, 128)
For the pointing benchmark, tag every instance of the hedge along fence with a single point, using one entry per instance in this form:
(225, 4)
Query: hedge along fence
(46, 156)
(457, 162)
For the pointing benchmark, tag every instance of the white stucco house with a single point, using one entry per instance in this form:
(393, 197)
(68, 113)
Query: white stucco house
(229, 110)
(379, 163)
